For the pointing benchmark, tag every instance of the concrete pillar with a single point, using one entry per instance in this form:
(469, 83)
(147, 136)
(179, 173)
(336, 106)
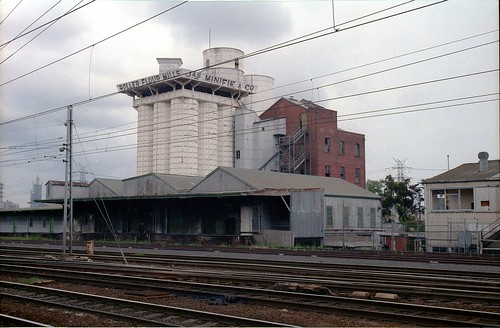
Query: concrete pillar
(184, 136)
(207, 146)
(144, 139)
(225, 144)
(161, 137)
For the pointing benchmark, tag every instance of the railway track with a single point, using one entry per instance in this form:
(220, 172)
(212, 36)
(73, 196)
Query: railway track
(423, 257)
(220, 260)
(338, 283)
(394, 311)
(137, 313)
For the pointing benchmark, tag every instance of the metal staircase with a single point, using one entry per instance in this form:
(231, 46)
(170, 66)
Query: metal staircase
(490, 237)
(291, 155)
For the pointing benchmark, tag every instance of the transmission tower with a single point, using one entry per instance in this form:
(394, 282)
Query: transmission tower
(400, 169)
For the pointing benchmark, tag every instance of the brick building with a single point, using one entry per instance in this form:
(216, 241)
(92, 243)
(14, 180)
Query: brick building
(313, 143)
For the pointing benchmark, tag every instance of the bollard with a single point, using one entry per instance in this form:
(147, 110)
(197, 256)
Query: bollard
(90, 247)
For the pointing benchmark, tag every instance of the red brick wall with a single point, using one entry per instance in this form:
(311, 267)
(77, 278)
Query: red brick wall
(322, 123)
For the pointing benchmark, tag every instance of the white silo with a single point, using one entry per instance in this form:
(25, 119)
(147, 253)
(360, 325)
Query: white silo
(224, 62)
(144, 139)
(225, 135)
(207, 137)
(264, 97)
(161, 137)
(184, 136)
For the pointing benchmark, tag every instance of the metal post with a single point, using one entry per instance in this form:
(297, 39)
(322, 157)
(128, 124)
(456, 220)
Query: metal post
(68, 185)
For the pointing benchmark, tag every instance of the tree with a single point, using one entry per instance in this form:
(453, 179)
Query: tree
(375, 186)
(400, 199)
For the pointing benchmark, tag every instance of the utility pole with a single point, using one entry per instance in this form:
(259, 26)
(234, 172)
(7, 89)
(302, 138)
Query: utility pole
(68, 185)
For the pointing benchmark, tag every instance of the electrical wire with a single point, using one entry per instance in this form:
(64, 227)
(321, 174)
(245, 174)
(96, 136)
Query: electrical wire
(36, 20)
(92, 45)
(10, 12)
(340, 118)
(49, 22)
(331, 84)
(33, 38)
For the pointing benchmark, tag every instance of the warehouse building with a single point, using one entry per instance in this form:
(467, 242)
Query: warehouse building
(229, 205)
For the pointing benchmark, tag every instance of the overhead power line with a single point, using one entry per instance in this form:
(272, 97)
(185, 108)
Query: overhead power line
(49, 22)
(92, 45)
(10, 12)
(309, 89)
(33, 38)
(345, 117)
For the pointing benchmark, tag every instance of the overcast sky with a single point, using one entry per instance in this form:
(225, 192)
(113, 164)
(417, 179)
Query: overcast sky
(439, 64)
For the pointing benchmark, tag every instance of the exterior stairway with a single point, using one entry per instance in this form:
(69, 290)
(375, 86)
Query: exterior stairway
(291, 155)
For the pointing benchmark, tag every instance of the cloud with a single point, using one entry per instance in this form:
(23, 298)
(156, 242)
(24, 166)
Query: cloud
(425, 138)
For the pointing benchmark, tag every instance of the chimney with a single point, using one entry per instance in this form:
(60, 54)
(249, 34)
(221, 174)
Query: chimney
(483, 161)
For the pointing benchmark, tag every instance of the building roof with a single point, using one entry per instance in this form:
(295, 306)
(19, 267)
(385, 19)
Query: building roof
(62, 183)
(267, 180)
(114, 185)
(177, 182)
(468, 172)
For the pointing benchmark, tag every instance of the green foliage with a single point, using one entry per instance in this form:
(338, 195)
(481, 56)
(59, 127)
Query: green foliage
(400, 199)
(375, 186)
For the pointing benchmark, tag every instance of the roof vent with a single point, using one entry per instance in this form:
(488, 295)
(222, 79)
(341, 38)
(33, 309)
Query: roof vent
(483, 161)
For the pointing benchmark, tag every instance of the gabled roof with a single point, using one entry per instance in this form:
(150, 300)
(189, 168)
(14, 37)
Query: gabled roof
(114, 185)
(468, 172)
(255, 180)
(177, 182)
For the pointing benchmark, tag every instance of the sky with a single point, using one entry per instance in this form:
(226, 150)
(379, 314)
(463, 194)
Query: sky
(419, 79)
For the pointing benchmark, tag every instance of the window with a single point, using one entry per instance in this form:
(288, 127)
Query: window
(327, 170)
(357, 176)
(342, 172)
(329, 216)
(44, 223)
(207, 62)
(237, 63)
(452, 199)
(373, 218)
(341, 147)
(238, 154)
(345, 216)
(360, 218)
(327, 145)
(357, 150)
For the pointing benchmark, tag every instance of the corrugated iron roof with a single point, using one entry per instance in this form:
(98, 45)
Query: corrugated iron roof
(468, 172)
(115, 185)
(178, 182)
(267, 180)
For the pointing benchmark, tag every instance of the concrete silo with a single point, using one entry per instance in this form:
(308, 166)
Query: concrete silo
(186, 118)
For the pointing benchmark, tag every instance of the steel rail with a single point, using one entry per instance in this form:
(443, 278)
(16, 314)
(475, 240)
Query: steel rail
(409, 288)
(219, 260)
(429, 315)
(138, 313)
(11, 321)
(452, 258)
